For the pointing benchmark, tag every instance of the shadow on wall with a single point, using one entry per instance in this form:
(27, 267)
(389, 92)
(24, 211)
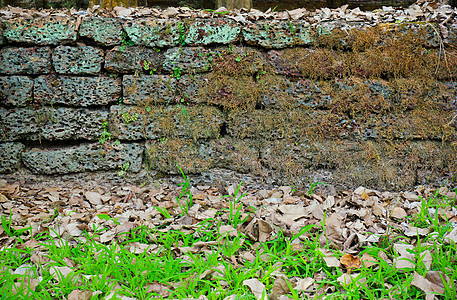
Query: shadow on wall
(278, 5)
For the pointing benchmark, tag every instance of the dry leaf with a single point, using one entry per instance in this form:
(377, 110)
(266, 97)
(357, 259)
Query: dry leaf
(333, 228)
(398, 213)
(425, 285)
(80, 295)
(304, 284)
(257, 288)
(280, 287)
(94, 198)
(347, 279)
(332, 261)
(350, 261)
(368, 261)
(59, 272)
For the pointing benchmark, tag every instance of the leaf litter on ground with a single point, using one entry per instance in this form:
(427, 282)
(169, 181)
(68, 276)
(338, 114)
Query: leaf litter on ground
(183, 242)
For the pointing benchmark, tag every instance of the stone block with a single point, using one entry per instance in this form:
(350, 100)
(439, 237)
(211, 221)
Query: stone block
(277, 35)
(104, 31)
(149, 89)
(84, 158)
(41, 31)
(212, 31)
(76, 91)
(51, 124)
(123, 59)
(81, 60)
(25, 60)
(10, 156)
(188, 60)
(192, 156)
(195, 122)
(155, 32)
(15, 90)
(242, 156)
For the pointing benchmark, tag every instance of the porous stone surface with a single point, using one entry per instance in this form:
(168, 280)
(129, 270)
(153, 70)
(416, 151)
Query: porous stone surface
(278, 34)
(81, 60)
(10, 156)
(41, 31)
(212, 31)
(76, 91)
(15, 90)
(188, 60)
(133, 123)
(131, 59)
(149, 89)
(51, 124)
(155, 32)
(104, 31)
(34, 60)
(84, 158)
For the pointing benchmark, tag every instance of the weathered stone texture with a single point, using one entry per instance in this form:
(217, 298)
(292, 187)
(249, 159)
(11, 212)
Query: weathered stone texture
(15, 90)
(122, 59)
(41, 31)
(133, 123)
(212, 31)
(154, 32)
(81, 60)
(25, 60)
(84, 158)
(51, 124)
(10, 156)
(149, 89)
(104, 31)
(188, 60)
(278, 34)
(76, 91)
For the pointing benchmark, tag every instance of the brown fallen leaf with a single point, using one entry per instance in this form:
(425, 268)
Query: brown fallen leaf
(398, 213)
(425, 285)
(350, 261)
(80, 295)
(257, 288)
(281, 287)
(368, 261)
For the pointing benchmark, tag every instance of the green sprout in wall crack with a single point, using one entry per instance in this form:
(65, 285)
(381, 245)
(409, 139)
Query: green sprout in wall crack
(124, 167)
(105, 136)
(128, 117)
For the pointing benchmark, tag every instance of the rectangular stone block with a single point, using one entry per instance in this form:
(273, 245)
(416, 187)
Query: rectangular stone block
(81, 60)
(155, 32)
(149, 89)
(104, 31)
(84, 158)
(15, 90)
(51, 124)
(195, 122)
(10, 157)
(25, 60)
(40, 31)
(212, 31)
(77, 91)
(279, 34)
(188, 60)
(197, 156)
(123, 59)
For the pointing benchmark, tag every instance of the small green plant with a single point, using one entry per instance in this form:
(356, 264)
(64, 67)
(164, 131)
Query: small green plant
(124, 167)
(125, 42)
(147, 67)
(108, 218)
(185, 191)
(177, 72)
(10, 231)
(235, 207)
(128, 117)
(105, 136)
(164, 212)
(292, 28)
(312, 185)
(238, 58)
(182, 33)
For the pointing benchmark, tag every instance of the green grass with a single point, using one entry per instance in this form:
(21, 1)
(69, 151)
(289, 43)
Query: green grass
(160, 262)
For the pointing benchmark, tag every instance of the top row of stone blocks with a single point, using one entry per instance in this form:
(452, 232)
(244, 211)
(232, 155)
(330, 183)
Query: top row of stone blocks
(170, 33)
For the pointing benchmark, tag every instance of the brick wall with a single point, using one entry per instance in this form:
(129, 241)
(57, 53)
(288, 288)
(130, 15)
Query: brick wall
(280, 101)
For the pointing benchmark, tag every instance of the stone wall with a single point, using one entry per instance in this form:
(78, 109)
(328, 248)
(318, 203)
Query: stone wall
(273, 101)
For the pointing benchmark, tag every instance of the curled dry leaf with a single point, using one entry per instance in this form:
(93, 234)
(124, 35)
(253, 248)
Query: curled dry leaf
(281, 287)
(304, 284)
(257, 288)
(425, 285)
(350, 261)
(368, 261)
